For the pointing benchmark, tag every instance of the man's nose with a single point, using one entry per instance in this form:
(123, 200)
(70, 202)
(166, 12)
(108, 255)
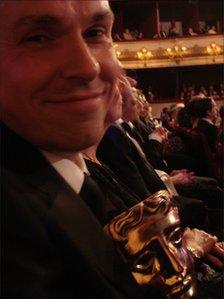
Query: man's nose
(80, 63)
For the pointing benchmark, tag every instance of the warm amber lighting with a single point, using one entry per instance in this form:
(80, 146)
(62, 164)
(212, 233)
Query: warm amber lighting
(144, 55)
(168, 52)
(176, 53)
(118, 53)
(213, 50)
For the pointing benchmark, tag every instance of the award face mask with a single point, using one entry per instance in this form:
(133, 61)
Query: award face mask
(149, 238)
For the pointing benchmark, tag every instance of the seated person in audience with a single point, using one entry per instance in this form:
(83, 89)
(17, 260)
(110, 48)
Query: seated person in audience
(108, 179)
(146, 114)
(162, 33)
(191, 32)
(140, 35)
(202, 92)
(124, 156)
(205, 110)
(164, 117)
(202, 29)
(58, 76)
(173, 31)
(117, 37)
(186, 182)
(212, 30)
(127, 35)
(151, 141)
(151, 95)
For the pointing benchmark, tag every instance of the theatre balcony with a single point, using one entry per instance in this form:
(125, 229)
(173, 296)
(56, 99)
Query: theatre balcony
(171, 52)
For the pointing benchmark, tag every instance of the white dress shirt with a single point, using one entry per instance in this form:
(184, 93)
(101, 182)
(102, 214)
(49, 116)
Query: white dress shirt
(71, 173)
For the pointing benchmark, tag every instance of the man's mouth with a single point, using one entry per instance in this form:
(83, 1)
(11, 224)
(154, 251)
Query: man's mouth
(76, 97)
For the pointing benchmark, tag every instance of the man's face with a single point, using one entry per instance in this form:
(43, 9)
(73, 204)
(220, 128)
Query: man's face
(130, 104)
(58, 71)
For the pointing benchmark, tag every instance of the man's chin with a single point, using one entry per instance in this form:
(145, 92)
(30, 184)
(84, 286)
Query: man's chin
(73, 143)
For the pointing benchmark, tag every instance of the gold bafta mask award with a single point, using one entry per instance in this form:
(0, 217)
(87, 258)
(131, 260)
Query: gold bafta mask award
(149, 238)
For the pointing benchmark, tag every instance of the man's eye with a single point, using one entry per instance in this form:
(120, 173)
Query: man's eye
(95, 33)
(39, 39)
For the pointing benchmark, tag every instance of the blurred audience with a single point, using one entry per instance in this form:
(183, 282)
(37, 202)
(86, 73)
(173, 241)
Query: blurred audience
(173, 31)
(212, 30)
(191, 32)
(128, 35)
(214, 90)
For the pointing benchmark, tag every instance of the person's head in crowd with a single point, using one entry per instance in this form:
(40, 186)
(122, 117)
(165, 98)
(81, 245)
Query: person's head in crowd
(146, 109)
(202, 29)
(191, 108)
(130, 107)
(191, 31)
(212, 30)
(183, 119)
(59, 72)
(142, 104)
(127, 34)
(202, 108)
(174, 109)
(203, 91)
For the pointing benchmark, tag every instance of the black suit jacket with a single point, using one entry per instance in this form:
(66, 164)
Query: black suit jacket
(120, 154)
(152, 148)
(210, 132)
(53, 245)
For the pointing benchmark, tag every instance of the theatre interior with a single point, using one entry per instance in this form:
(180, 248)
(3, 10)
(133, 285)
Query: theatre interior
(113, 177)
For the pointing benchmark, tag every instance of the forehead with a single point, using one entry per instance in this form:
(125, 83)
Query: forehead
(153, 227)
(157, 224)
(78, 11)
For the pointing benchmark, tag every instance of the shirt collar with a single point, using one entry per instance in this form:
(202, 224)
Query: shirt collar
(130, 124)
(71, 173)
(208, 120)
(119, 121)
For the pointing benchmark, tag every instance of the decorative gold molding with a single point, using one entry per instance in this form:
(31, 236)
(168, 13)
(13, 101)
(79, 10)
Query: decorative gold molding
(200, 50)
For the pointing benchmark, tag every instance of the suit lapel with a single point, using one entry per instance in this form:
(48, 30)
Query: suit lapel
(69, 211)
(84, 230)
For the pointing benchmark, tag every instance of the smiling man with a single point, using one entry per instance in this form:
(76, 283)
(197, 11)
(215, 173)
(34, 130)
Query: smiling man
(57, 71)
(58, 78)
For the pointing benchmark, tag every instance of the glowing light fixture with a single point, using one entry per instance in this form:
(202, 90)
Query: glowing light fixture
(144, 55)
(176, 53)
(213, 50)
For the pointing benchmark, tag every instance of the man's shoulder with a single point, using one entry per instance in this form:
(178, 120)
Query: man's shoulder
(203, 124)
(115, 135)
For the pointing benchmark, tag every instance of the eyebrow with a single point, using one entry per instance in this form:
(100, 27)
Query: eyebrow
(99, 16)
(54, 21)
(43, 20)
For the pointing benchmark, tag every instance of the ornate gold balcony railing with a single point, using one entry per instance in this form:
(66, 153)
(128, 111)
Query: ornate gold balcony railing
(184, 51)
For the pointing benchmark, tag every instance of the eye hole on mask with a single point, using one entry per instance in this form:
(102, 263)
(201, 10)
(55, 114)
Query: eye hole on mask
(144, 262)
(175, 236)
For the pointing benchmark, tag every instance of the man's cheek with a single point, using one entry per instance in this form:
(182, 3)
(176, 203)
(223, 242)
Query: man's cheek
(110, 66)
